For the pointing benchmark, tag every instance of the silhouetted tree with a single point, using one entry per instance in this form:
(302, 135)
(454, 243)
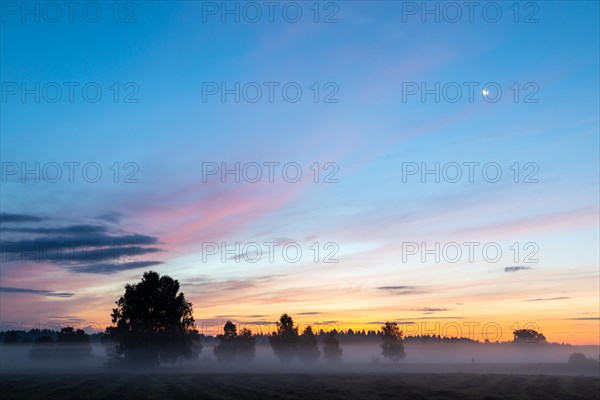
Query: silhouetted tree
(11, 337)
(73, 343)
(196, 340)
(227, 348)
(392, 346)
(581, 359)
(285, 341)
(308, 351)
(331, 347)
(43, 340)
(43, 348)
(528, 336)
(68, 335)
(153, 322)
(232, 345)
(246, 345)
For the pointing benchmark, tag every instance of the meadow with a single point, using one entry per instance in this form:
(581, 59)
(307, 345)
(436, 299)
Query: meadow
(413, 386)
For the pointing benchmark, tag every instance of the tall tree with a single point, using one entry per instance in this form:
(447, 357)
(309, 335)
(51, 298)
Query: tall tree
(233, 345)
(226, 350)
(285, 340)
(152, 322)
(392, 346)
(246, 345)
(308, 351)
(331, 347)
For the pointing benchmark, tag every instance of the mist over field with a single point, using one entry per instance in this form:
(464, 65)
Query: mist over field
(357, 358)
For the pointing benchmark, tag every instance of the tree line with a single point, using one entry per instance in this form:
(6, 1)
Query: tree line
(153, 323)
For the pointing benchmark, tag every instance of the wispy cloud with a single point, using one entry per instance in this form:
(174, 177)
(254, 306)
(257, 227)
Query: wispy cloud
(65, 230)
(549, 299)
(36, 291)
(111, 268)
(581, 216)
(256, 322)
(82, 248)
(395, 287)
(516, 268)
(111, 217)
(18, 218)
(230, 284)
(400, 290)
(249, 256)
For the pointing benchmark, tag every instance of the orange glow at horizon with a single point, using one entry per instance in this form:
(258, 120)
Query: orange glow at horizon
(574, 332)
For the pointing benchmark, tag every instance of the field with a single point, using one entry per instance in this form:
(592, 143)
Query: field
(298, 386)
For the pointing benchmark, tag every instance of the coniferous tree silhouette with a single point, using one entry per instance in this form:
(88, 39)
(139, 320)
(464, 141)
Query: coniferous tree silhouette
(331, 347)
(308, 351)
(246, 345)
(285, 340)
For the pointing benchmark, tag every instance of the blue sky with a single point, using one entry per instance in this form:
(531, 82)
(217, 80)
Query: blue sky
(369, 56)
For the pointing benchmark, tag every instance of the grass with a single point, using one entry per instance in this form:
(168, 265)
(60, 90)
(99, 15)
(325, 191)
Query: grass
(298, 386)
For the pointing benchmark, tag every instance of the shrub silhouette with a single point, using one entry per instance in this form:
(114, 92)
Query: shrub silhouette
(308, 351)
(285, 340)
(392, 347)
(331, 347)
(528, 336)
(152, 322)
(581, 359)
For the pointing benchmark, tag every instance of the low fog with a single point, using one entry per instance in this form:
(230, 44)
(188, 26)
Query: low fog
(357, 358)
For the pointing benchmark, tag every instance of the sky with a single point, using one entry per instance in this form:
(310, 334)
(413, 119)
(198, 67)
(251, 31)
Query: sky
(347, 162)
